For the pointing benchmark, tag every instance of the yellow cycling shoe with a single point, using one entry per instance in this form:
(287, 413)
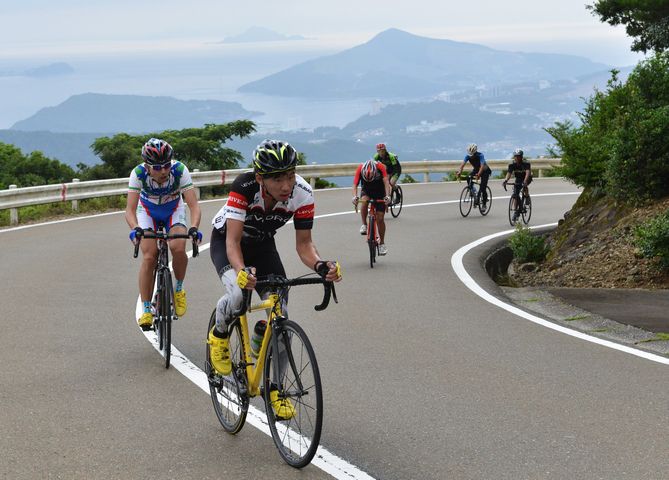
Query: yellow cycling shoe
(180, 303)
(145, 321)
(219, 353)
(283, 407)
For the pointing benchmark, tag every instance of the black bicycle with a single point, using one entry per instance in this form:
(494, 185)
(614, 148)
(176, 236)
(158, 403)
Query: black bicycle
(396, 199)
(520, 204)
(285, 372)
(468, 198)
(163, 294)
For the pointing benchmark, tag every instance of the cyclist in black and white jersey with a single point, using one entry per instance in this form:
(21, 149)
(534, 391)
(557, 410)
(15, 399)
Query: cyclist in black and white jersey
(242, 242)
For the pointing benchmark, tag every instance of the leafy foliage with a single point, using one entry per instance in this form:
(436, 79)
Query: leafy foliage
(652, 239)
(30, 170)
(647, 21)
(621, 146)
(196, 147)
(527, 247)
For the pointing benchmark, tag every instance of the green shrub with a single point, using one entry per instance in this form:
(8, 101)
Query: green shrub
(408, 179)
(527, 247)
(652, 239)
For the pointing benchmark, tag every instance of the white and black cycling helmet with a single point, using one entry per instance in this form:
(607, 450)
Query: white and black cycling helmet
(518, 153)
(472, 149)
(274, 156)
(157, 152)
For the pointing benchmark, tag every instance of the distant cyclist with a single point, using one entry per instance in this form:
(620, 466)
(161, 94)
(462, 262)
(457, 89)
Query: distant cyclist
(155, 195)
(390, 161)
(242, 241)
(523, 177)
(480, 170)
(375, 187)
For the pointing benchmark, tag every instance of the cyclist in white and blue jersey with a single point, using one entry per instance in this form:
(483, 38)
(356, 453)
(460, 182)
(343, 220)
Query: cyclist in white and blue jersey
(155, 194)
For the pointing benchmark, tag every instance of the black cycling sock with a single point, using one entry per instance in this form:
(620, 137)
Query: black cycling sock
(218, 334)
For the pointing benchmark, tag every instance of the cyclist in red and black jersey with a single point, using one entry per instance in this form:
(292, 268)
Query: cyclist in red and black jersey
(242, 242)
(373, 178)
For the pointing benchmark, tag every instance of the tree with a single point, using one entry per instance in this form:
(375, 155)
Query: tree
(196, 147)
(30, 170)
(647, 21)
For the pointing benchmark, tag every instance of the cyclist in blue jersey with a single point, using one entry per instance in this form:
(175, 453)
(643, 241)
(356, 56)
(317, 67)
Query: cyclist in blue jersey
(480, 170)
(155, 194)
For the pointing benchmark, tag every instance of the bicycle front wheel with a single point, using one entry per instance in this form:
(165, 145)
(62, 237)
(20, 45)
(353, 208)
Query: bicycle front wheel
(527, 209)
(513, 215)
(396, 199)
(230, 404)
(166, 330)
(466, 202)
(371, 240)
(484, 207)
(295, 377)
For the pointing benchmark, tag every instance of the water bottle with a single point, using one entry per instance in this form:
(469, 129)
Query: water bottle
(256, 339)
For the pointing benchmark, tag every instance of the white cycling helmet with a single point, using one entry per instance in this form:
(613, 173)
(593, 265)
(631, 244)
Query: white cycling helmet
(472, 149)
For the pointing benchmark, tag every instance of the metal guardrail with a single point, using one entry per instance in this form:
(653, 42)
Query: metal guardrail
(13, 198)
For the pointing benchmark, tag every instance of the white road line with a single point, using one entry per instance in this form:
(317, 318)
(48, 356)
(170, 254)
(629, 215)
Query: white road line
(458, 266)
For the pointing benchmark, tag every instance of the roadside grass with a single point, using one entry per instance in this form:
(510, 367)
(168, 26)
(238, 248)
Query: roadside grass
(576, 317)
(659, 337)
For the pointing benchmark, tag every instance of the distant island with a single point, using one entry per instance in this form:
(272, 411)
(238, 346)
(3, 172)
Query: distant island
(398, 64)
(95, 112)
(260, 34)
(53, 69)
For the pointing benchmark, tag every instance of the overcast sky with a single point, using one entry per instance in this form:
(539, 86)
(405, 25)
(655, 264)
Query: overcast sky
(52, 29)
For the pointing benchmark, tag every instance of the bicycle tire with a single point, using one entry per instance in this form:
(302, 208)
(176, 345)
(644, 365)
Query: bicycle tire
(158, 318)
(168, 304)
(230, 404)
(527, 209)
(371, 240)
(296, 438)
(396, 200)
(512, 211)
(466, 202)
(485, 209)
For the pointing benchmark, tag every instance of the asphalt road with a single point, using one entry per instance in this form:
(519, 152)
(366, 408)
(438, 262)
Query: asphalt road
(422, 379)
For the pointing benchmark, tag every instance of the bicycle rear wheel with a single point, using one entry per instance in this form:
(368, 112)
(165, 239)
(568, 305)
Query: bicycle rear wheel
(484, 208)
(297, 381)
(228, 394)
(466, 202)
(396, 199)
(168, 312)
(527, 209)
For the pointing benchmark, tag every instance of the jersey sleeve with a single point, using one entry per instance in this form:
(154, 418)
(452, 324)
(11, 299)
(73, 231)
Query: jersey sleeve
(237, 203)
(134, 183)
(186, 181)
(303, 218)
(482, 158)
(356, 177)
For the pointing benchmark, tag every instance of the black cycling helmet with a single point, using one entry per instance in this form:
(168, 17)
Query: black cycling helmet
(274, 156)
(157, 152)
(518, 153)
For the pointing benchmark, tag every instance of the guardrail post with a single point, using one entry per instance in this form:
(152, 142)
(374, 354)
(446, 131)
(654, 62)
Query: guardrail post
(13, 212)
(75, 203)
(197, 189)
(426, 177)
(541, 172)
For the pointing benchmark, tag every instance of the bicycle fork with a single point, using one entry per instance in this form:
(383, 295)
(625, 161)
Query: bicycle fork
(283, 359)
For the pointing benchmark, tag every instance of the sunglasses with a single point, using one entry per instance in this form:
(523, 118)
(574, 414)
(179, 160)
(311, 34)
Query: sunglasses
(158, 168)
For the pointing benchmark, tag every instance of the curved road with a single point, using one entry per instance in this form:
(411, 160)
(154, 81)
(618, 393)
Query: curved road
(422, 379)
